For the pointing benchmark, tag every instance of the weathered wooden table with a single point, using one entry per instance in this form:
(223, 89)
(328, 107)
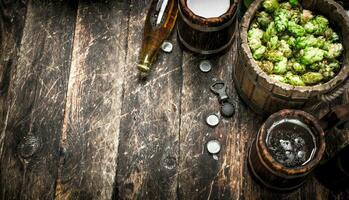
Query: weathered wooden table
(77, 123)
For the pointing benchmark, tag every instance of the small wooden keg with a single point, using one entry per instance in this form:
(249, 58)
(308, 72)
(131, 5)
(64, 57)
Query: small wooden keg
(269, 171)
(266, 95)
(206, 36)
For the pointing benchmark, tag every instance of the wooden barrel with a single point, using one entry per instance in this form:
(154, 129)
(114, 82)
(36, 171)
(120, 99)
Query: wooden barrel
(266, 95)
(206, 36)
(269, 172)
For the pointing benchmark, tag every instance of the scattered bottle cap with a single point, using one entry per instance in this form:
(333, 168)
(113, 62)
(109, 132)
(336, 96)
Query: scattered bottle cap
(167, 47)
(212, 120)
(213, 146)
(227, 109)
(205, 66)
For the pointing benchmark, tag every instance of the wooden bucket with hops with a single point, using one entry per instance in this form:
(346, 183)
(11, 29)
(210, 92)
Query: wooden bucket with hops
(264, 94)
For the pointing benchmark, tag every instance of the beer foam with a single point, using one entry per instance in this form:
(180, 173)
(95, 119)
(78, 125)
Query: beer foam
(208, 8)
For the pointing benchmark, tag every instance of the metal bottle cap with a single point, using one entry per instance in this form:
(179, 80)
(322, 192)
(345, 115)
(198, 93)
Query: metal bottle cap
(212, 120)
(205, 66)
(213, 146)
(227, 109)
(167, 47)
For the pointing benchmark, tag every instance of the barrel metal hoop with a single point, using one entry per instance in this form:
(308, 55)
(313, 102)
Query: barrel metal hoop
(204, 52)
(265, 183)
(204, 28)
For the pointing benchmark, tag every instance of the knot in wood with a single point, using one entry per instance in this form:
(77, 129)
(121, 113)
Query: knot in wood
(28, 146)
(169, 162)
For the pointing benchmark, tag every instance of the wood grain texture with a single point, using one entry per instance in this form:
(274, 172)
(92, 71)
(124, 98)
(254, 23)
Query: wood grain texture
(201, 176)
(89, 141)
(36, 102)
(148, 150)
(12, 17)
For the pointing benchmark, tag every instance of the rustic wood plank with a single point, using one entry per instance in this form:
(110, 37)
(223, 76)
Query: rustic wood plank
(201, 176)
(90, 132)
(37, 96)
(148, 150)
(12, 17)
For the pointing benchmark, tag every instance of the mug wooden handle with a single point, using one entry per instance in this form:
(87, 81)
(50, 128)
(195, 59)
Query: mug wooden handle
(336, 116)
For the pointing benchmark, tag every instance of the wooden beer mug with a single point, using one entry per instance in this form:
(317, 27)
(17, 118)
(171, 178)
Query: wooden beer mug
(206, 26)
(289, 145)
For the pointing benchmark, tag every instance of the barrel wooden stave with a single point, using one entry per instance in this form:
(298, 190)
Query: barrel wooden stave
(206, 36)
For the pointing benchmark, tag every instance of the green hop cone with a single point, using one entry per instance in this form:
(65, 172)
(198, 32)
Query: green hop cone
(293, 2)
(311, 55)
(306, 16)
(334, 51)
(291, 41)
(258, 54)
(279, 78)
(273, 43)
(295, 80)
(270, 32)
(274, 55)
(297, 67)
(309, 41)
(285, 48)
(295, 29)
(254, 43)
(255, 33)
(270, 5)
(286, 6)
(321, 25)
(331, 35)
(266, 66)
(310, 27)
(281, 20)
(264, 19)
(312, 78)
(280, 67)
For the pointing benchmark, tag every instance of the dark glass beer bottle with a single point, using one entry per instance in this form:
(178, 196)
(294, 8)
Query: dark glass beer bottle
(158, 26)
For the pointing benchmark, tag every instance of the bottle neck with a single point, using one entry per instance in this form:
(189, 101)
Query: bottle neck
(144, 64)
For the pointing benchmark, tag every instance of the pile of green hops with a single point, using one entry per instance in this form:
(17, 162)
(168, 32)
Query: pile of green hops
(293, 45)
